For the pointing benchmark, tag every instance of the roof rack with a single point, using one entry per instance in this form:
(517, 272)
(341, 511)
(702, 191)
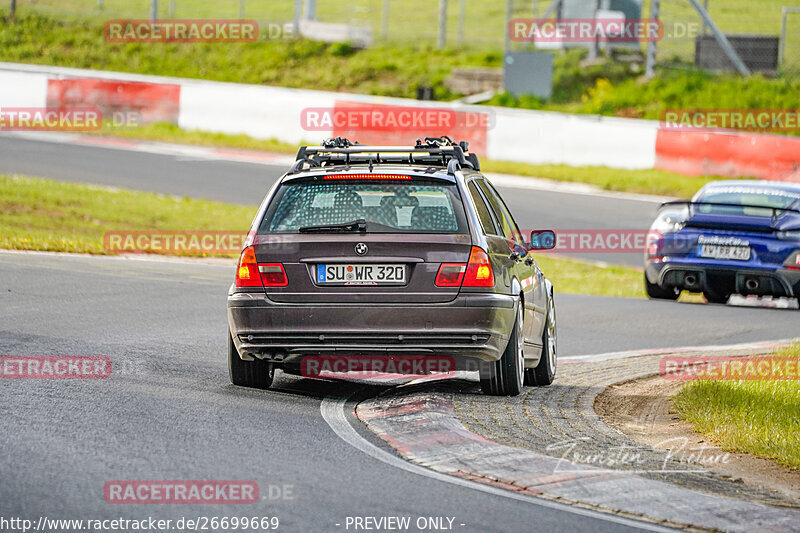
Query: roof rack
(432, 151)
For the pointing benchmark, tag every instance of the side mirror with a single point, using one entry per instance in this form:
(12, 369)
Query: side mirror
(542, 240)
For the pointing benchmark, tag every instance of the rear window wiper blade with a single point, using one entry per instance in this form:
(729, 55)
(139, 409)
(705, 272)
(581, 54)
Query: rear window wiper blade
(356, 225)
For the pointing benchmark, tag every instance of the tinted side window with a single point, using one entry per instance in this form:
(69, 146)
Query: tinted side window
(509, 230)
(483, 211)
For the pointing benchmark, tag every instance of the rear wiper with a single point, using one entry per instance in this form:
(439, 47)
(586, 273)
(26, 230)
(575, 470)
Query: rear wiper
(356, 225)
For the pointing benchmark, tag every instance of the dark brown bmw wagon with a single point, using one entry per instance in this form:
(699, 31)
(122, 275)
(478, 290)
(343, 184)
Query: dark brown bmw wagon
(391, 252)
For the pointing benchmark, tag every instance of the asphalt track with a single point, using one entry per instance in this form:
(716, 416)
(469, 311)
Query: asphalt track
(169, 412)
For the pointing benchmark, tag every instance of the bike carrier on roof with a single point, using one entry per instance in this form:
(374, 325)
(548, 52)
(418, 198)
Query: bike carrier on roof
(432, 151)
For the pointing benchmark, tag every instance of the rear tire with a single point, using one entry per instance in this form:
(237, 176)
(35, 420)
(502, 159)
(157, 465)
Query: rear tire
(505, 377)
(255, 374)
(657, 292)
(545, 372)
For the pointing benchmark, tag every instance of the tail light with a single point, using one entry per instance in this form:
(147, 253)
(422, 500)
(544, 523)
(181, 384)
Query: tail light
(250, 274)
(450, 275)
(367, 177)
(273, 275)
(247, 274)
(479, 270)
(793, 263)
(654, 244)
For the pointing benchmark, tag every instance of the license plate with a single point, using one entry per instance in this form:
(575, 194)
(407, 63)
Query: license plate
(361, 274)
(716, 251)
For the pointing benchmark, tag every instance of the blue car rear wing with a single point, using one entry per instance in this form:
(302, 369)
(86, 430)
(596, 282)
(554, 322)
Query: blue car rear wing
(776, 211)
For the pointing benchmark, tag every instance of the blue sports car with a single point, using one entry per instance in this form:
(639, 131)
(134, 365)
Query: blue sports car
(738, 237)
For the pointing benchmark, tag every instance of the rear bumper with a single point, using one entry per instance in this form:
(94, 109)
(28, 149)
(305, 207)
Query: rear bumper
(773, 282)
(473, 326)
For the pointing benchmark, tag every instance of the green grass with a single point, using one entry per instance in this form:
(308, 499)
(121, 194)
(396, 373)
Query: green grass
(759, 417)
(601, 91)
(417, 20)
(39, 214)
(387, 69)
(410, 20)
(46, 215)
(43, 35)
(571, 276)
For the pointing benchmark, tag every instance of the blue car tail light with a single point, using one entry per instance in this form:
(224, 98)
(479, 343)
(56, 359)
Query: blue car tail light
(793, 261)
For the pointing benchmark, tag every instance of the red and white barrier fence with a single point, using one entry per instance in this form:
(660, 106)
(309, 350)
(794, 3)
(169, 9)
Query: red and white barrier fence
(503, 134)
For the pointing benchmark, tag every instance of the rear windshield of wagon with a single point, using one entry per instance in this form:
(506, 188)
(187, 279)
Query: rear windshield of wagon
(393, 205)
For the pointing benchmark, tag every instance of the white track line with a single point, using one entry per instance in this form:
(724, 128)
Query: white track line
(333, 411)
(593, 358)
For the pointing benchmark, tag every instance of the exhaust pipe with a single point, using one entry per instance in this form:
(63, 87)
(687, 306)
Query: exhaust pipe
(751, 284)
(690, 280)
